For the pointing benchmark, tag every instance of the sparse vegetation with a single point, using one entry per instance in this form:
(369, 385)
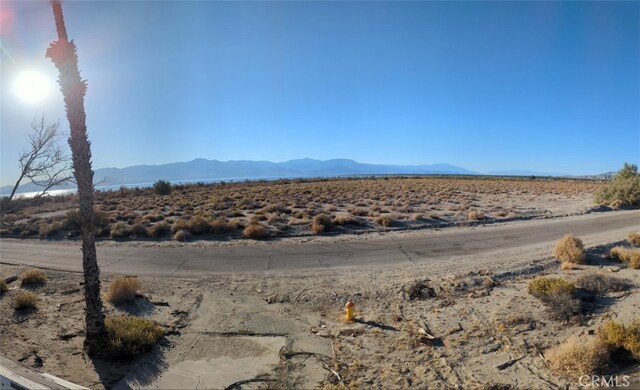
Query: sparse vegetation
(130, 336)
(569, 249)
(24, 300)
(122, 289)
(598, 283)
(33, 277)
(385, 220)
(577, 357)
(475, 215)
(162, 187)
(558, 295)
(623, 190)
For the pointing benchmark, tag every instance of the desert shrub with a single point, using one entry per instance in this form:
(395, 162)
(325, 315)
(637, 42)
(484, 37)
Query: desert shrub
(321, 223)
(182, 235)
(160, 229)
(475, 215)
(130, 336)
(347, 219)
(623, 190)
(359, 212)
(545, 286)
(569, 249)
(563, 306)
(3, 287)
(123, 288)
(385, 220)
(50, 229)
(627, 255)
(255, 231)
(33, 276)
(139, 230)
(162, 187)
(622, 336)
(222, 225)
(71, 220)
(120, 230)
(600, 283)
(195, 225)
(4, 232)
(634, 238)
(272, 208)
(24, 300)
(154, 217)
(577, 357)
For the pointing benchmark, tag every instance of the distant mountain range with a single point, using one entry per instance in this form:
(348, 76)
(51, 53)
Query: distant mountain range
(211, 170)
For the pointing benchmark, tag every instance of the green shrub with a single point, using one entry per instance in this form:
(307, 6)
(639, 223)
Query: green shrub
(130, 336)
(162, 187)
(24, 300)
(33, 276)
(546, 286)
(622, 336)
(624, 188)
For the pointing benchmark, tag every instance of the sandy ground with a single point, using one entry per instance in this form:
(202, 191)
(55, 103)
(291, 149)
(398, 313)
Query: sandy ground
(286, 331)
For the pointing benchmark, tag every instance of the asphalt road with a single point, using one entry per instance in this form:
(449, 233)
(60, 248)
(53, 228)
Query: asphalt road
(412, 248)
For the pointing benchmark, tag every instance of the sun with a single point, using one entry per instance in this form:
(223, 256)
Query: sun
(32, 86)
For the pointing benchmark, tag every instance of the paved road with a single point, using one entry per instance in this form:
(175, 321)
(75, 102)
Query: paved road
(412, 248)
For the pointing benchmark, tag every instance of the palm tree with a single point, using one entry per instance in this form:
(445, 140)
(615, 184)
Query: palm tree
(63, 54)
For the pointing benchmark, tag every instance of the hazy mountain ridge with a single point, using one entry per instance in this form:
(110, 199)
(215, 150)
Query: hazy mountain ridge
(203, 169)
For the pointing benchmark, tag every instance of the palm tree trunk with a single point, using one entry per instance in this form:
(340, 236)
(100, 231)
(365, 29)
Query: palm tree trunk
(64, 56)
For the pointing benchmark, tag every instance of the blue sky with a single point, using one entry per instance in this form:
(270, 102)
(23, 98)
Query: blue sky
(545, 86)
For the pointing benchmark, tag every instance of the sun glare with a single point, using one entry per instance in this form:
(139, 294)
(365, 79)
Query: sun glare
(32, 86)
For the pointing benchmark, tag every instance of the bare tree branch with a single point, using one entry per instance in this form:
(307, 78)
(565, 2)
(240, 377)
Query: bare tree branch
(45, 163)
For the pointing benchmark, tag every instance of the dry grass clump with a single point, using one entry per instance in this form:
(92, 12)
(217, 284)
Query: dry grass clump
(569, 249)
(321, 223)
(222, 225)
(120, 230)
(158, 230)
(347, 219)
(139, 230)
(544, 286)
(195, 225)
(130, 336)
(634, 238)
(385, 220)
(50, 229)
(622, 336)
(24, 300)
(601, 284)
(182, 235)
(255, 231)
(33, 276)
(577, 357)
(123, 288)
(475, 215)
(627, 255)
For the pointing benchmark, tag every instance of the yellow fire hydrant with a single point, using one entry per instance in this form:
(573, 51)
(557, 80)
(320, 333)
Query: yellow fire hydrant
(348, 310)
